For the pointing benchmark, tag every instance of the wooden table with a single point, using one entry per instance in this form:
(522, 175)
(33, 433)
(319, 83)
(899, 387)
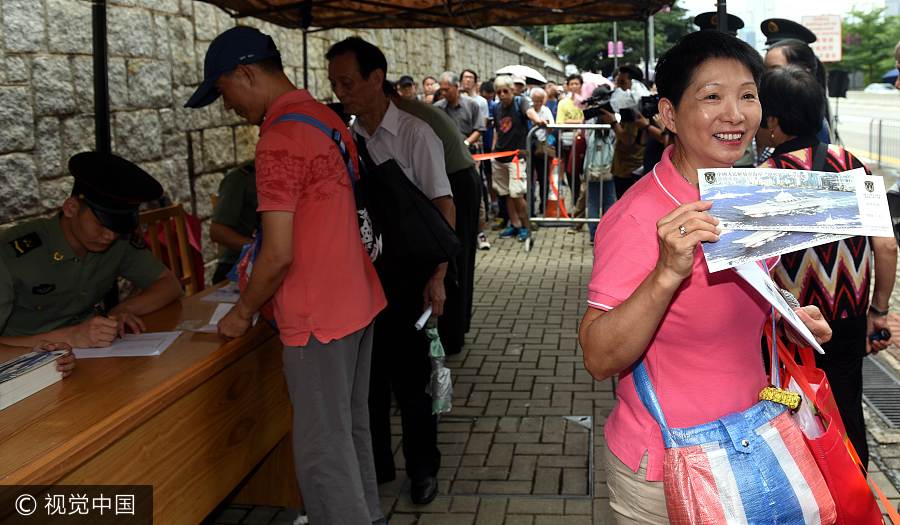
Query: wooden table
(205, 417)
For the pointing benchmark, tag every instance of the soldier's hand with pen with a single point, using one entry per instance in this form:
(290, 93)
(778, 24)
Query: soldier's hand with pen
(126, 320)
(96, 332)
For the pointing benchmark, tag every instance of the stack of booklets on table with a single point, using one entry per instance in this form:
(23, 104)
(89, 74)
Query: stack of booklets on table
(24, 375)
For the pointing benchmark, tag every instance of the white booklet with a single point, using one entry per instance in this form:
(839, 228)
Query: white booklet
(848, 203)
(27, 374)
(132, 345)
(762, 282)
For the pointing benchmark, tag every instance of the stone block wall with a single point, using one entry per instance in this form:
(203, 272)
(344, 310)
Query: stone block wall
(156, 50)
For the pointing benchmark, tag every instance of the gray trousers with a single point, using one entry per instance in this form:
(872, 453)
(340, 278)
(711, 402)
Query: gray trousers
(329, 388)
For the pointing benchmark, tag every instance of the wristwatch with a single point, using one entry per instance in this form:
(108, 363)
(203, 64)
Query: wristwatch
(873, 310)
(466, 142)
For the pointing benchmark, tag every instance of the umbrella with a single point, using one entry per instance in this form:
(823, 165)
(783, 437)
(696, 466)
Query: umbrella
(591, 82)
(528, 73)
(890, 77)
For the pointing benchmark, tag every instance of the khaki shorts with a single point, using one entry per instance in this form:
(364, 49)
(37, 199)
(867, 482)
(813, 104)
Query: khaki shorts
(509, 179)
(633, 499)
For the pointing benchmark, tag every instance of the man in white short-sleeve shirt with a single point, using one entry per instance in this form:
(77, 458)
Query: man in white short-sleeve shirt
(400, 360)
(413, 145)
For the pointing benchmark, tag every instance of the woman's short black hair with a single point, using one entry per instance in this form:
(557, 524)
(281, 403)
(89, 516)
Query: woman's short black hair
(792, 95)
(798, 53)
(574, 76)
(675, 69)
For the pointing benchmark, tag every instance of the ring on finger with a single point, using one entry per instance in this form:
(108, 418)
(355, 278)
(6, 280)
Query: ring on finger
(682, 230)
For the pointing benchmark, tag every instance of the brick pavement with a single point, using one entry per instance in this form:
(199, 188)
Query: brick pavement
(521, 442)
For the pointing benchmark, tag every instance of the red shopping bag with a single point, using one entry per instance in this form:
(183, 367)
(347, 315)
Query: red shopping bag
(838, 462)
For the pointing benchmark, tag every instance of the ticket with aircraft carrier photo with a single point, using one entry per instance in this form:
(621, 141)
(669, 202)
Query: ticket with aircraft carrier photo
(848, 203)
(736, 247)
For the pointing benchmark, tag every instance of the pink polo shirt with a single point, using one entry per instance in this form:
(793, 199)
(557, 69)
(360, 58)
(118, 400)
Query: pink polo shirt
(705, 360)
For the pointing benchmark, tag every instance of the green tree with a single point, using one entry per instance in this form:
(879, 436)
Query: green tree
(585, 44)
(869, 40)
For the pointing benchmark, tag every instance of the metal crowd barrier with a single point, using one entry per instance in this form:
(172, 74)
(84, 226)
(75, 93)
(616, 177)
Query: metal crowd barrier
(884, 140)
(557, 221)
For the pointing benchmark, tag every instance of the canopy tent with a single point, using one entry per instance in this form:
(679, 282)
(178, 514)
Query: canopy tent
(382, 14)
(317, 15)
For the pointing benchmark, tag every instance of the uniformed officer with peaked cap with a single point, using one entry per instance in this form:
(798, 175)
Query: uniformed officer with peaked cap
(55, 271)
(709, 21)
(777, 29)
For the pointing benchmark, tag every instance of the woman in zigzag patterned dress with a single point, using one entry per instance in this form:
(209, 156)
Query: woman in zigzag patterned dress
(837, 276)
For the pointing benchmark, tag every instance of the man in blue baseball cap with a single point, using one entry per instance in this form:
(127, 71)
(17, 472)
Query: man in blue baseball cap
(239, 46)
(322, 285)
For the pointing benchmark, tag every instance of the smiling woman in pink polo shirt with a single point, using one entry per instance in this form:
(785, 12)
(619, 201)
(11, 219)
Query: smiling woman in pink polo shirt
(650, 294)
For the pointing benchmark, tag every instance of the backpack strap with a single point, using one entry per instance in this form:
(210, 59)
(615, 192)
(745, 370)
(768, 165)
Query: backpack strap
(333, 133)
(517, 102)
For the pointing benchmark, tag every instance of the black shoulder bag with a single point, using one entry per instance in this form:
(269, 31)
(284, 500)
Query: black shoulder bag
(414, 233)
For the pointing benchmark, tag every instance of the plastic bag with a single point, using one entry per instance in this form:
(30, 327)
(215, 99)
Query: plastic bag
(440, 388)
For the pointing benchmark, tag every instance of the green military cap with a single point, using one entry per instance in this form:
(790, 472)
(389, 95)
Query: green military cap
(777, 29)
(709, 21)
(113, 188)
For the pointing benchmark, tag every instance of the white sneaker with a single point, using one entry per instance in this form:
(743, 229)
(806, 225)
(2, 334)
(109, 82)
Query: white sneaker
(483, 243)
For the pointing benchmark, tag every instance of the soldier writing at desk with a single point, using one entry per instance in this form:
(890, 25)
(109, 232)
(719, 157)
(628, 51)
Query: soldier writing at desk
(54, 272)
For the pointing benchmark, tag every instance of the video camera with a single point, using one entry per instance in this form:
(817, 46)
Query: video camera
(648, 106)
(597, 102)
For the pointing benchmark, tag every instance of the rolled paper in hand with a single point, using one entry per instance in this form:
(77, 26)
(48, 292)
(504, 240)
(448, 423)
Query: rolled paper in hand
(423, 318)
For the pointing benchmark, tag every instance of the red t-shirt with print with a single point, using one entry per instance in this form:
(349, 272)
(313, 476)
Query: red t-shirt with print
(331, 289)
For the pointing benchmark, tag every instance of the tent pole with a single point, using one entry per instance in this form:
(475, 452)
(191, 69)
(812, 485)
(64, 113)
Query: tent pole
(305, 63)
(102, 141)
(305, 23)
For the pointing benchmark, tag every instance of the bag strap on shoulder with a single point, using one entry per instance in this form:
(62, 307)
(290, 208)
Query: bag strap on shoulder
(820, 153)
(333, 133)
(647, 395)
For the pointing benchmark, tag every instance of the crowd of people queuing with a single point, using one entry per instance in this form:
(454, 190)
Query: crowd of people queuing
(346, 316)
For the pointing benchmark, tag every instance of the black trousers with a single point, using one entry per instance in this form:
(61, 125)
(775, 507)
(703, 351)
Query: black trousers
(574, 164)
(842, 364)
(400, 364)
(460, 283)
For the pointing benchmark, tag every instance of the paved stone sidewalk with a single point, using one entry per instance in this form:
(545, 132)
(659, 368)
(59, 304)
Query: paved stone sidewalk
(522, 442)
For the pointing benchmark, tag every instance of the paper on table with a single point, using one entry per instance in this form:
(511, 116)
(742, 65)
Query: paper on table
(763, 283)
(226, 294)
(132, 345)
(212, 326)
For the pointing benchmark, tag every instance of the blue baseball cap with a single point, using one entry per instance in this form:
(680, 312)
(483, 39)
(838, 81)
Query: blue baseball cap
(239, 45)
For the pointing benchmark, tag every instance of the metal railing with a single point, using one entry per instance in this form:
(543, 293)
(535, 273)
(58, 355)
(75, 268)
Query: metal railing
(529, 169)
(884, 140)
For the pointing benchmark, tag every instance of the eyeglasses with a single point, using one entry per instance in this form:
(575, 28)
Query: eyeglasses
(504, 91)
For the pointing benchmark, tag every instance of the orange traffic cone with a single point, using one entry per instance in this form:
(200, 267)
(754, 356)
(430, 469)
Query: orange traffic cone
(555, 206)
